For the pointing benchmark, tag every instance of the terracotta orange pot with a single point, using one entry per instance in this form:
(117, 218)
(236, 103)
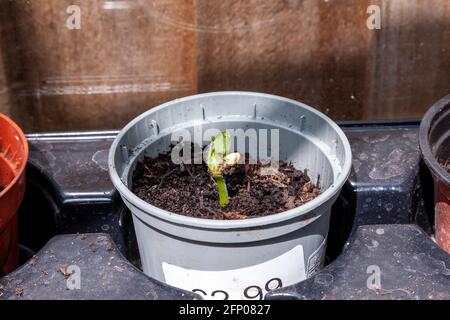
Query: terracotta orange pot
(13, 159)
(434, 138)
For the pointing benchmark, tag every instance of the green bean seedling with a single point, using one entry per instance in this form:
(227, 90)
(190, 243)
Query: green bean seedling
(219, 160)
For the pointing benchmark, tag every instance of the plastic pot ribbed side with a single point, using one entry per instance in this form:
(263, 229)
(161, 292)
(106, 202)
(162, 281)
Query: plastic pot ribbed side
(13, 159)
(434, 138)
(245, 258)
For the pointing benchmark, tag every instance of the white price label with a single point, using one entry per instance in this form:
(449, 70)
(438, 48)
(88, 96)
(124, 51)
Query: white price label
(249, 283)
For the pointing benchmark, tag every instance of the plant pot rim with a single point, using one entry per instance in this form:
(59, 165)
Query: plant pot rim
(19, 171)
(179, 219)
(424, 144)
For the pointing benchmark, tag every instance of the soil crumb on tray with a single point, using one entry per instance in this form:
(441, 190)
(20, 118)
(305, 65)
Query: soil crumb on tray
(189, 190)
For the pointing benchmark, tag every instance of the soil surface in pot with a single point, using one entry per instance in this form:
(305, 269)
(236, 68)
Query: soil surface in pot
(189, 190)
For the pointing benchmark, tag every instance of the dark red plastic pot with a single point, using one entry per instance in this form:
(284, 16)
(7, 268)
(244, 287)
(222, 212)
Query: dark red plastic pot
(13, 159)
(434, 139)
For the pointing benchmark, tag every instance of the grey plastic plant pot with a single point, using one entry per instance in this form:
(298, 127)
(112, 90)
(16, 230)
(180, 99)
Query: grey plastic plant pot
(235, 259)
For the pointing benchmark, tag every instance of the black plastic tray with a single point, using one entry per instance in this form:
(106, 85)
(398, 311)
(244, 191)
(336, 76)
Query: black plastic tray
(380, 243)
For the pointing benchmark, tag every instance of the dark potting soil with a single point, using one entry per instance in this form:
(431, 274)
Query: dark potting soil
(189, 190)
